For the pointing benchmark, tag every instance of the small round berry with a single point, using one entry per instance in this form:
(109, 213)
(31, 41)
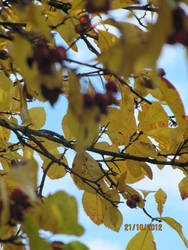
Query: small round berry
(112, 86)
(178, 16)
(57, 245)
(131, 203)
(111, 99)
(58, 54)
(84, 19)
(88, 100)
(171, 39)
(135, 197)
(182, 37)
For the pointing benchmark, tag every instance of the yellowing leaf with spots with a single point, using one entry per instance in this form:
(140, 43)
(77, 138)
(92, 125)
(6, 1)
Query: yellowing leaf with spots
(160, 197)
(86, 167)
(183, 188)
(142, 240)
(152, 117)
(174, 101)
(38, 117)
(55, 171)
(92, 204)
(176, 226)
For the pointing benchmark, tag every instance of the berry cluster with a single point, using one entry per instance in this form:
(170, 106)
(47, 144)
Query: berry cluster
(98, 5)
(132, 202)
(84, 25)
(3, 54)
(102, 100)
(57, 245)
(18, 203)
(46, 57)
(180, 32)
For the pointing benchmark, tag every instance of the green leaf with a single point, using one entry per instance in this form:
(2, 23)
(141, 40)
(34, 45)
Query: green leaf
(75, 245)
(59, 214)
(31, 228)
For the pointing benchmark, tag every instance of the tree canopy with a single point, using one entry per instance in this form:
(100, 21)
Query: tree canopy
(124, 116)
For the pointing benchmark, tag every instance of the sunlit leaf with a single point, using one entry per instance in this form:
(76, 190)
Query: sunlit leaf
(92, 204)
(55, 171)
(160, 197)
(142, 240)
(183, 188)
(176, 226)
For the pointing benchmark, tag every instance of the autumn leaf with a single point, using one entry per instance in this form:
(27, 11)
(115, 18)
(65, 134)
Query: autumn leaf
(183, 188)
(160, 197)
(176, 226)
(142, 240)
(92, 204)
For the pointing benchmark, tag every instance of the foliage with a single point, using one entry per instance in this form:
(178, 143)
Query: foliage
(131, 110)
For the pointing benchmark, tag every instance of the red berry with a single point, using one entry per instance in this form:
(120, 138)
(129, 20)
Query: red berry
(131, 203)
(135, 197)
(3, 54)
(88, 100)
(182, 37)
(111, 99)
(98, 5)
(178, 16)
(57, 245)
(112, 86)
(171, 39)
(101, 100)
(80, 29)
(58, 54)
(84, 19)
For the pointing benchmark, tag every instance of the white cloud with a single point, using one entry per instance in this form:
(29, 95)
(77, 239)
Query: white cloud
(100, 244)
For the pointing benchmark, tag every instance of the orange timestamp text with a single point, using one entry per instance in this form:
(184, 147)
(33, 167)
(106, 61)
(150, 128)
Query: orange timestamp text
(141, 227)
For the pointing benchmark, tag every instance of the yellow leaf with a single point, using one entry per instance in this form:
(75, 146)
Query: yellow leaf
(105, 40)
(172, 97)
(38, 117)
(84, 165)
(160, 197)
(183, 188)
(176, 226)
(6, 88)
(152, 117)
(112, 217)
(142, 240)
(106, 146)
(55, 171)
(92, 205)
(65, 126)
